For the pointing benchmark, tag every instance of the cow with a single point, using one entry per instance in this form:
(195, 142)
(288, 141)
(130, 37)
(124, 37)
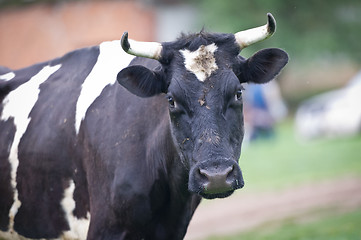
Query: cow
(83, 157)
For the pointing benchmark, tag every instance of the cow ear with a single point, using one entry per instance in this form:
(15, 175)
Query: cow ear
(142, 81)
(264, 65)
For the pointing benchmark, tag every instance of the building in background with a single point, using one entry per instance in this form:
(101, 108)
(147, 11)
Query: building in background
(38, 32)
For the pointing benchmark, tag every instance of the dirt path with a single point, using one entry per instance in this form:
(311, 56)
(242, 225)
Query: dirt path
(244, 210)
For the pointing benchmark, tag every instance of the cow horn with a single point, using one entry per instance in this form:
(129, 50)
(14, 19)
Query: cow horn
(141, 49)
(253, 35)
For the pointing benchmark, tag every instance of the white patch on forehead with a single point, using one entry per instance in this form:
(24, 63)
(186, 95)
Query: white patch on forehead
(7, 76)
(111, 60)
(18, 105)
(201, 62)
(78, 227)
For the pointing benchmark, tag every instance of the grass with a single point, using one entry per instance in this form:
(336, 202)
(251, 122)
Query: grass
(332, 227)
(285, 161)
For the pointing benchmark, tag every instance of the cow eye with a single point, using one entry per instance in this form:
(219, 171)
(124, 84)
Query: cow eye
(171, 101)
(238, 95)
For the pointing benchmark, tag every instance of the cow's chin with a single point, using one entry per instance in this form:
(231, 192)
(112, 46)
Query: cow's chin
(216, 195)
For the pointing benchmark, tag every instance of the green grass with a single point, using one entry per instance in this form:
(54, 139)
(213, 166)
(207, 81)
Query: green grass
(285, 160)
(346, 226)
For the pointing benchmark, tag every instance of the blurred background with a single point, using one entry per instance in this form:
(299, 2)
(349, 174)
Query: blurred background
(301, 158)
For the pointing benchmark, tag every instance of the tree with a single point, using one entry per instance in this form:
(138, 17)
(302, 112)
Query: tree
(305, 29)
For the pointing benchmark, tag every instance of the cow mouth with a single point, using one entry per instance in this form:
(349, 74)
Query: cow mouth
(216, 195)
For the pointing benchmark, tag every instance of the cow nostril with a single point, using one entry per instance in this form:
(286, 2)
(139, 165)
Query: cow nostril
(230, 174)
(231, 169)
(203, 175)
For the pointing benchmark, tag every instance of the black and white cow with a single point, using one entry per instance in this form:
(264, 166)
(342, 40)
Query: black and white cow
(82, 156)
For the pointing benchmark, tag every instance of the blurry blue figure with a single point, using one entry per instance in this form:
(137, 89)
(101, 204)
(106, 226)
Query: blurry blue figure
(263, 107)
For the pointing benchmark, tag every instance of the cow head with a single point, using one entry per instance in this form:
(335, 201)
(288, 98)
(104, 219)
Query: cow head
(201, 76)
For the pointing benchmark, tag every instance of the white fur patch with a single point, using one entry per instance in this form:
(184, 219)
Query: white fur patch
(111, 60)
(201, 62)
(78, 227)
(18, 105)
(7, 76)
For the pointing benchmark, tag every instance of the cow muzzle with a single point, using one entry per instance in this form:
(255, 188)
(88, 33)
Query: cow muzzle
(218, 179)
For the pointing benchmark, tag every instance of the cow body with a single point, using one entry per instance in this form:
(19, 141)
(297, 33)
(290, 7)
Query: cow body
(82, 156)
(56, 157)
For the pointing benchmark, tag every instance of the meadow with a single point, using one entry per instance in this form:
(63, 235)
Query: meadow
(287, 161)
(330, 227)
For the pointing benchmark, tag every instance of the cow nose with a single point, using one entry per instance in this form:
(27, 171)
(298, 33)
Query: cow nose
(215, 180)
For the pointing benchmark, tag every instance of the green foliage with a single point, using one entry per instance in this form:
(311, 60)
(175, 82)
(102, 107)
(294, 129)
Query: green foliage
(286, 160)
(305, 29)
(331, 227)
